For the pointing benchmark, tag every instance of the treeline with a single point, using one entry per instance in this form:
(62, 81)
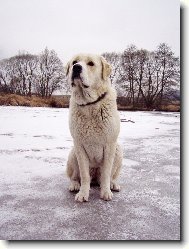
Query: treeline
(142, 78)
(27, 74)
(145, 78)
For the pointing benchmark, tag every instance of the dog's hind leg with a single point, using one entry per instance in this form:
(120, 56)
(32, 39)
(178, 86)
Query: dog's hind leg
(116, 169)
(73, 171)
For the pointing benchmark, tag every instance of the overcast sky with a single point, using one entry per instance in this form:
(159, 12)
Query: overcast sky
(93, 26)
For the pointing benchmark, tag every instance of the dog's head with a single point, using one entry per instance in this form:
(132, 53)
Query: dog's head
(88, 76)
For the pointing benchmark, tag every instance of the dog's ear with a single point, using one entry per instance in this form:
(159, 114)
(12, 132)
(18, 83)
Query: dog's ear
(106, 68)
(67, 68)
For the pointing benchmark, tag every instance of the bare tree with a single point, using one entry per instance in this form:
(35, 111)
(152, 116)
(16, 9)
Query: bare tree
(18, 73)
(50, 73)
(31, 73)
(161, 74)
(168, 70)
(26, 74)
(4, 76)
(26, 65)
(147, 76)
(128, 72)
(114, 59)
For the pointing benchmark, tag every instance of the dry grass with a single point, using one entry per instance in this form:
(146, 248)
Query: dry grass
(173, 107)
(130, 108)
(63, 102)
(34, 101)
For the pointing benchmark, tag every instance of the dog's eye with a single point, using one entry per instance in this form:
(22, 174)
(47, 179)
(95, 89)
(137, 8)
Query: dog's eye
(74, 62)
(90, 63)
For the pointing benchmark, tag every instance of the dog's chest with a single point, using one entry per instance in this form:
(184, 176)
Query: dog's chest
(91, 129)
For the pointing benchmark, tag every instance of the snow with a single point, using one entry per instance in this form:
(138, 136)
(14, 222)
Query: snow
(34, 199)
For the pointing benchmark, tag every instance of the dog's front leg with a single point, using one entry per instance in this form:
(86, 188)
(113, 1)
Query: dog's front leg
(106, 169)
(83, 162)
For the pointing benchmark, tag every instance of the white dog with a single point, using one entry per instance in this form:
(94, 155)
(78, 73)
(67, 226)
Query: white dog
(94, 125)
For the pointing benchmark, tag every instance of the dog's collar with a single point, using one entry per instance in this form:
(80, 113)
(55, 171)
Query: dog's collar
(94, 102)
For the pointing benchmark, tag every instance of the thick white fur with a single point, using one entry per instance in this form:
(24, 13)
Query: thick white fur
(96, 156)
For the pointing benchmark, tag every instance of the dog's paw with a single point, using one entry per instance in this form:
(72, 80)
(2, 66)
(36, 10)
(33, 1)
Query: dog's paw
(74, 186)
(82, 196)
(106, 195)
(114, 186)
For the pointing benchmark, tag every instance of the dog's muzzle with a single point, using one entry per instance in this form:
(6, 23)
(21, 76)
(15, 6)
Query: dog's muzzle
(76, 77)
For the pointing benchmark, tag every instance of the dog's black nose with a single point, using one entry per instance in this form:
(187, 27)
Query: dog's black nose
(76, 71)
(77, 68)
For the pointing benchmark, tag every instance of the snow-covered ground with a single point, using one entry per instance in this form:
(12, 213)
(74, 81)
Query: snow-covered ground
(35, 203)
